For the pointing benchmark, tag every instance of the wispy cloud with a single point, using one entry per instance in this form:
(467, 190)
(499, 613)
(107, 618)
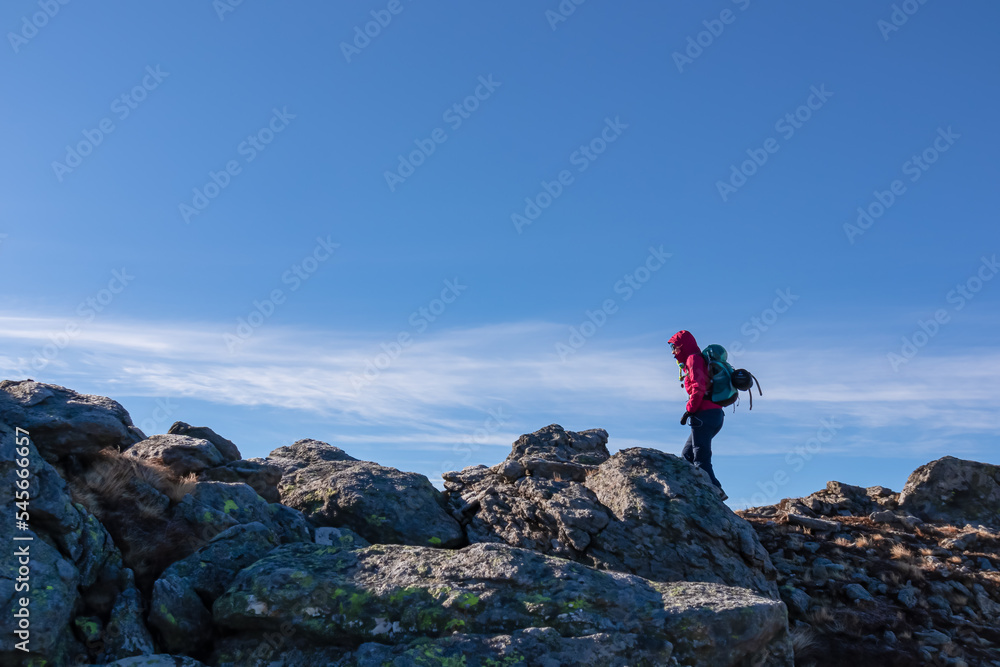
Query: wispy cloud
(444, 382)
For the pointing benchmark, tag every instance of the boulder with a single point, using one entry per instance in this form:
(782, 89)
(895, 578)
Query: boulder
(63, 423)
(303, 453)
(640, 511)
(261, 477)
(75, 571)
(183, 595)
(226, 448)
(127, 635)
(489, 602)
(383, 505)
(952, 490)
(213, 507)
(182, 454)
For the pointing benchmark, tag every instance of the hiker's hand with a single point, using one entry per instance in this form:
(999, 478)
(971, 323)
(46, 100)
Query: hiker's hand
(684, 419)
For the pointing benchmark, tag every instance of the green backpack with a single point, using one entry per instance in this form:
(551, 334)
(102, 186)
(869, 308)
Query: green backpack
(725, 382)
(720, 373)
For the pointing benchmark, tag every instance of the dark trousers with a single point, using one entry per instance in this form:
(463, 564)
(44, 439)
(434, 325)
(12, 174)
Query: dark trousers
(698, 448)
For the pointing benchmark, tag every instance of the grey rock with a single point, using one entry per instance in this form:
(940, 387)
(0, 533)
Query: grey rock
(798, 600)
(227, 449)
(855, 592)
(955, 491)
(183, 594)
(69, 551)
(908, 597)
(303, 453)
(938, 602)
(640, 511)
(127, 635)
(213, 507)
(985, 565)
(344, 538)
(383, 505)
(182, 454)
(932, 637)
(261, 477)
(400, 594)
(64, 423)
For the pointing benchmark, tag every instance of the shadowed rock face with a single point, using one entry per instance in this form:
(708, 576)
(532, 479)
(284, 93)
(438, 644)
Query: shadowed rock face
(382, 504)
(955, 491)
(640, 511)
(63, 423)
(481, 602)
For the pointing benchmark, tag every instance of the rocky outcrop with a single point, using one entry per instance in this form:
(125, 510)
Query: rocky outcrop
(63, 561)
(885, 588)
(383, 505)
(64, 423)
(200, 451)
(183, 595)
(181, 454)
(953, 490)
(166, 551)
(640, 511)
(304, 453)
(225, 447)
(488, 602)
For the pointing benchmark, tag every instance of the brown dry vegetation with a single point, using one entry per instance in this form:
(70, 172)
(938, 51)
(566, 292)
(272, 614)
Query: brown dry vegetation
(132, 498)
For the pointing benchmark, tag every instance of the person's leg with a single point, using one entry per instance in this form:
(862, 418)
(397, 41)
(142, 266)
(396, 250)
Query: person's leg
(688, 452)
(704, 426)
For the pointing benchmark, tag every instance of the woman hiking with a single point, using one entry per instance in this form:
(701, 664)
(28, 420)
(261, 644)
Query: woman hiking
(706, 417)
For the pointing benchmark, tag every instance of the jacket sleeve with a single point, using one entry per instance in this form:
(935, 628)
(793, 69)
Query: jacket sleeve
(696, 385)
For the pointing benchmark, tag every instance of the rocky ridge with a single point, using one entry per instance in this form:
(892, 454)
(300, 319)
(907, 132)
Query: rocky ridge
(173, 550)
(874, 577)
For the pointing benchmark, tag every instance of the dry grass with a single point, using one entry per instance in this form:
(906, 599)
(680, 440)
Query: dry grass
(901, 551)
(924, 551)
(863, 542)
(843, 542)
(910, 570)
(132, 499)
(804, 642)
(182, 487)
(949, 530)
(820, 616)
(891, 578)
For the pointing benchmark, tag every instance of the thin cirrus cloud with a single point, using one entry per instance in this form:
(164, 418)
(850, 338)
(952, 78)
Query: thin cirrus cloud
(445, 381)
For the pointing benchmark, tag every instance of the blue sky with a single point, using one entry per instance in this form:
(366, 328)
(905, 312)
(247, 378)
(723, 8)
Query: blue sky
(483, 218)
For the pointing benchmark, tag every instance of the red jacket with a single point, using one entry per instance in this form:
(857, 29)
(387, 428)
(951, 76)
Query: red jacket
(696, 378)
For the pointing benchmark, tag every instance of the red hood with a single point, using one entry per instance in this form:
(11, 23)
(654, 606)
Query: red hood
(686, 345)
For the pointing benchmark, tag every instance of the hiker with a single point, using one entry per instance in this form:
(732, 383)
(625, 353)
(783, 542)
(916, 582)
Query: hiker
(706, 417)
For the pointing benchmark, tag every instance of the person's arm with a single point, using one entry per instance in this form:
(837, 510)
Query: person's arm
(697, 384)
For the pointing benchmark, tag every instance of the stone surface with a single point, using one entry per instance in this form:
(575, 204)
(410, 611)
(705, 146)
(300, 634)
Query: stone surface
(62, 422)
(403, 594)
(303, 453)
(954, 490)
(382, 504)
(75, 568)
(184, 593)
(226, 448)
(640, 511)
(260, 477)
(182, 454)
